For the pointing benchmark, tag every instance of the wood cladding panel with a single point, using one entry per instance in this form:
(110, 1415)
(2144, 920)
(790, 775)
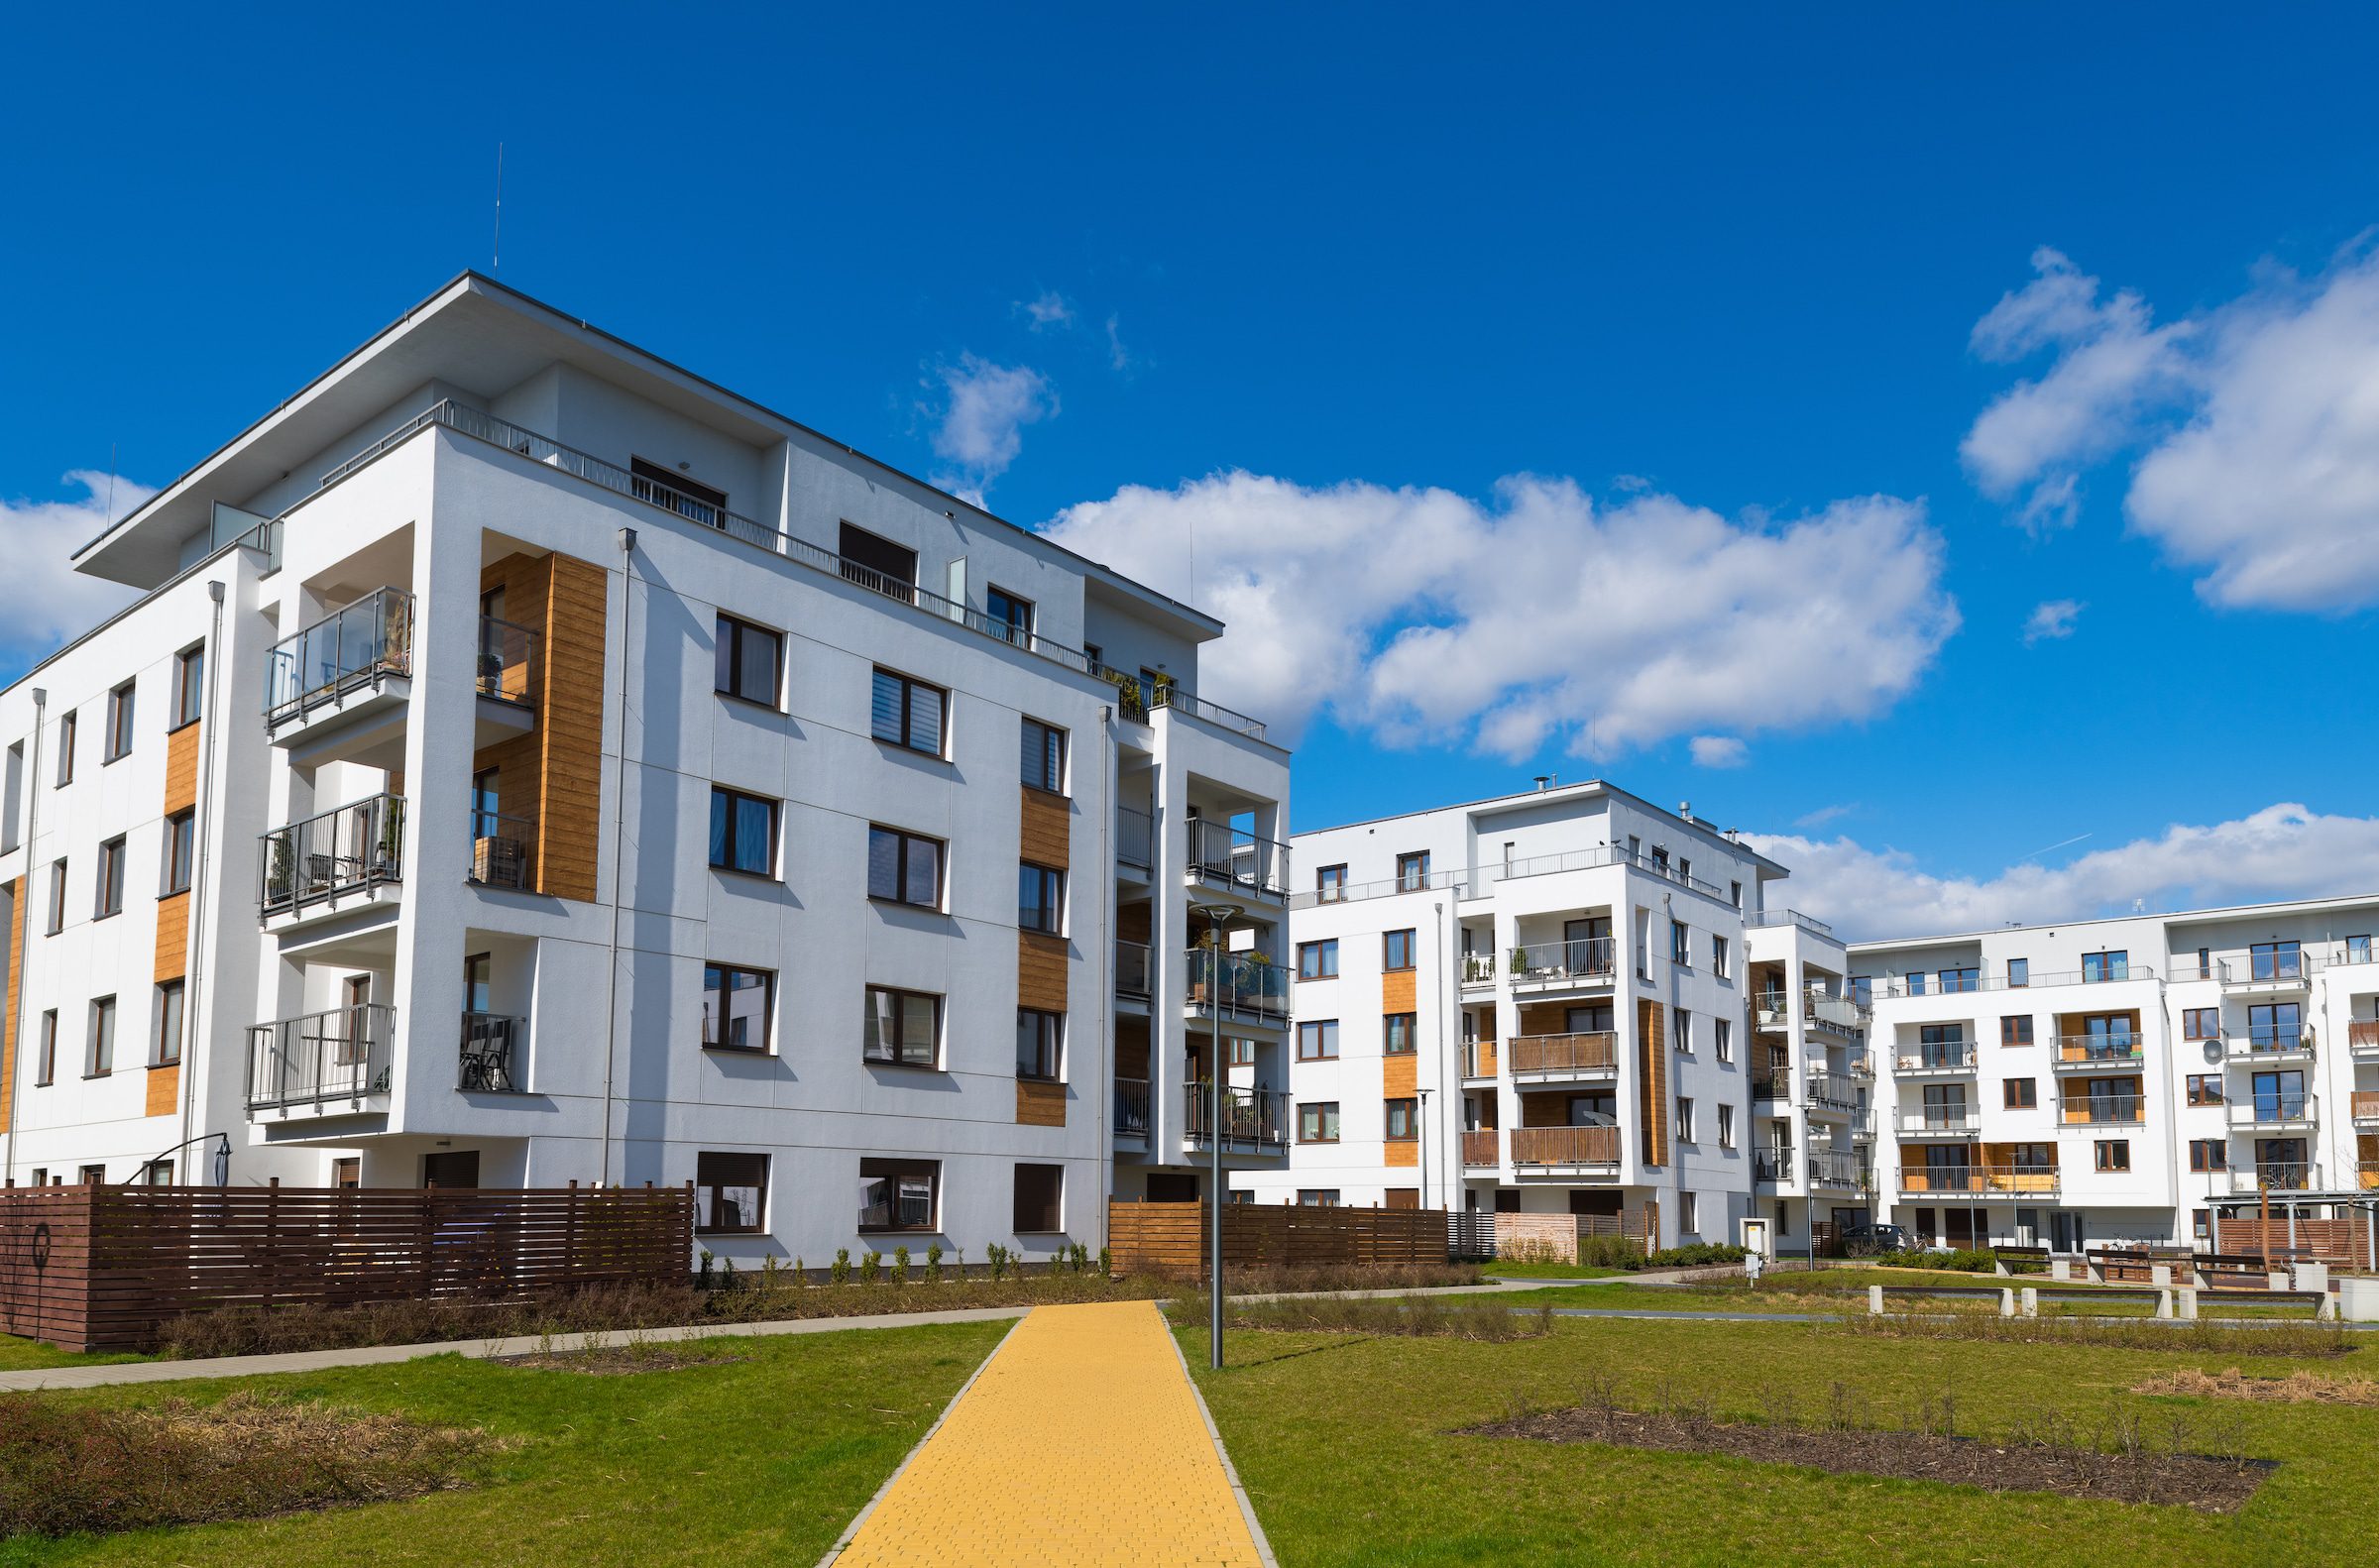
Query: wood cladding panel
(1402, 1152)
(1131, 1048)
(1045, 835)
(181, 768)
(553, 775)
(1040, 1104)
(1400, 1076)
(1544, 1110)
(1132, 922)
(1397, 992)
(1040, 971)
(1652, 1079)
(172, 937)
(11, 996)
(163, 1094)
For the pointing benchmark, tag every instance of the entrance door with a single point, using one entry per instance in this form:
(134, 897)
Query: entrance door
(453, 1168)
(1404, 1197)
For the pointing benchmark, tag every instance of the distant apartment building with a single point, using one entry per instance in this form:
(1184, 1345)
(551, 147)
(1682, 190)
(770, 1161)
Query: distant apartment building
(2125, 1080)
(528, 763)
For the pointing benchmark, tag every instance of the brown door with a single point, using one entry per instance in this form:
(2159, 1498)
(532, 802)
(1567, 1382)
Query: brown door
(1404, 1197)
(456, 1168)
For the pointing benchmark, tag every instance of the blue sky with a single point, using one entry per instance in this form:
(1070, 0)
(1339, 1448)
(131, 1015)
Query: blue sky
(1654, 366)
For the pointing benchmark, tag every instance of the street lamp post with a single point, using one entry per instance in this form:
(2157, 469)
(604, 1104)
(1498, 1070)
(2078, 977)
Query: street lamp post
(1216, 917)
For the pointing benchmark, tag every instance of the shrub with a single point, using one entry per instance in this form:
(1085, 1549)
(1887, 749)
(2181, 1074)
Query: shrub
(1610, 1252)
(839, 1274)
(872, 1266)
(1964, 1260)
(933, 1262)
(900, 1265)
(1697, 1255)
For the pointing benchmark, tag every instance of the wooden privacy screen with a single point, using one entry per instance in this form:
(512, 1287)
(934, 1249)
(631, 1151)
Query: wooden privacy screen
(100, 1268)
(1172, 1238)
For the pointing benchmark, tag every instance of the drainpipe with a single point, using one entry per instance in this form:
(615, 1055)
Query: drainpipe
(33, 823)
(610, 1011)
(1112, 770)
(1450, 1099)
(201, 813)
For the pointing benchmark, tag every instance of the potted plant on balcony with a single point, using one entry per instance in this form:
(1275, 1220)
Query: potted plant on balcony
(1128, 700)
(386, 853)
(1520, 963)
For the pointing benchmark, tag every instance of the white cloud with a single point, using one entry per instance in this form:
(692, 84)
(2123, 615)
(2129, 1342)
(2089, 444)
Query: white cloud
(43, 599)
(1537, 617)
(983, 418)
(2281, 851)
(1823, 814)
(2052, 618)
(1117, 355)
(1049, 308)
(2256, 424)
(1719, 751)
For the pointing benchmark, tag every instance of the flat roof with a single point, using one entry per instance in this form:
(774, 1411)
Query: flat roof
(1557, 793)
(2171, 917)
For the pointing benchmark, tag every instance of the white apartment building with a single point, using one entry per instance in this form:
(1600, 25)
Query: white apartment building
(2122, 1080)
(528, 763)
(1539, 1003)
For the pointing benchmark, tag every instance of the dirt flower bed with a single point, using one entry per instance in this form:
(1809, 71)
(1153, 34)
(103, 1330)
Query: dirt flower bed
(2298, 1387)
(2213, 1485)
(635, 1355)
(66, 1470)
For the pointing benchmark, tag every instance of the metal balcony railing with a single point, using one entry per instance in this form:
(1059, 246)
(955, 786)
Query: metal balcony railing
(1787, 917)
(1358, 892)
(1832, 1088)
(2100, 1050)
(1772, 1010)
(1131, 1107)
(1919, 1120)
(1832, 1168)
(349, 848)
(507, 663)
(1587, 960)
(1773, 1085)
(1957, 1055)
(1565, 1146)
(1254, 1118)
(1480, 1059)
(1773, 1165)
(1239, 985)
(2276, 1176)
(1845, 1014)
(2269, 1040)
(2102, 1110)
(1221, 856)
(490, 1059)
(342, 1054)
(1478, 969)
(504, 851)
(1590, 1052)
(348, 649)
(1135, 837)
(2286, 1108)
(1131, 968)
(1979, 1180)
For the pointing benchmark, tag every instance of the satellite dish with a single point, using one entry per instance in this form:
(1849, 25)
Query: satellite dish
(2214, 1051)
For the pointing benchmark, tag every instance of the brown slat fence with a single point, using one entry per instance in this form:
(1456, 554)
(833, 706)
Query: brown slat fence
(1172, 1238)
(2340, 1243)
(100, 1268)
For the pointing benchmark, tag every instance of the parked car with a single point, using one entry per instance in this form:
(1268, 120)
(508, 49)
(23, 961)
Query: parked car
(1865, 1241)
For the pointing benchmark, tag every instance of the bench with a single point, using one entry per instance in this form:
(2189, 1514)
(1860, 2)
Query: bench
(2033, 1255)
(2222, 1271)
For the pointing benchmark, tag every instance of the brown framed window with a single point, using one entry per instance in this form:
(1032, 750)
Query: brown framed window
(1397, 1031)
(1402, 1120)
(904, 1027)
(1317, 1122)
(66, 749)
(1322, 1197)
(748, 662)
(182, 833)
(2204, 1089)
(2019, 1094)
(1329, 884)
(1396, 951)
(165, 1048)
(119, 723)
(1317, 961)
(2207, 1154)
(2113, 1154)
(2200, 1023)
(99, 1053)
(57, 896)
(1039, 898)
(743, 831)
(2019, 973)
(908, 714)
(190, 686)
(347, 1171)
(1413, 871)
(110, 899)
(1242, 1050)
(1040, 1045)
(736, 1006)
(2016, 1030)
(1317, 1040)
(46, 1070)
(899, 1194)
(731, 1192)
(1039, 1199)
(904, 868)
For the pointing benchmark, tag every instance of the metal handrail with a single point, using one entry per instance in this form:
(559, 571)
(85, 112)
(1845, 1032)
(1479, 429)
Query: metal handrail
(507, 663)
(1832, 1088)
(1478, 969)
(1131, 1107)
(1550, 962)
(1586, 1051)
(1135, 837)
(1236, 983)
(2101, 1110)
(2274, 1110)
(1773, 1164)
(1787, 917)
(1961, 1118)
(1835, 1167)
(1975, 1177)
(1249, 1116)
(347, 849)
(1173, 695)
(504, 851)
(341, 1053)
(353, 646)
(1773, 1085)
(1954, 1057)
(2094, 1048)
(1481, 1058)
(2277, 1176)
(2268, 1041)
(1922, 984)
(1390, 887)
(1236, 858)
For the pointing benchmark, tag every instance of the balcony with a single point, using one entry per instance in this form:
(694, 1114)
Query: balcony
(1478, 1146)
(1588, 962)
(1241, 988)
(2268, 1045)
(2280, 1112)
(1771, 1011)
(1977, 1180)
(1132, 970)
(1135, 842)
(337, 691)
(2102, 1110)
(1835, 1167)
(1950, 1059)
(1962, 983)
(1773, 1085)
(1458, 881)
(331, 862)
(2362, 1037)
(1235, 860)
(329, 1062)
(1479, 1060)
(2285, 972)
(2087, 1052)
(1787, 917)
(1773, 1165)
(1842, 1015)
(1939, 1121)
(1131, 1108)
(1252, 1119)
(2365, 1106)
(1478, 970)
(1540, 1058)
(503, 851)
(490, 1061)
(1833, 1091)
(1542, 1148)
(2277, 1176)
(349, 654)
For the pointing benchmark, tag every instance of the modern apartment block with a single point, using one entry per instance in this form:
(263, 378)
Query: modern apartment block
(1540, 1004)
(528, 763)
(2122, 1080)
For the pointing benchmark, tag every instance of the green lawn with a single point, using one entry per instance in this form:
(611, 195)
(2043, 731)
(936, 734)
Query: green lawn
(1347, 1446)
(1844, 1293)
(20, 1355)
(1550, 1271)
(763, 1460)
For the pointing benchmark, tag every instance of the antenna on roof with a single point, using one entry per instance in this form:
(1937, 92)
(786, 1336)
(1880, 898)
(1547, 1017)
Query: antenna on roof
(495, 253)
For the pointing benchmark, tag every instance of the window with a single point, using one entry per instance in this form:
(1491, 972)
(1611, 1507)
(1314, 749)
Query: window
(1403, 1120)
(99, 1053)
(904, 1027)
(57, 896)
(65, 750)
(1685, 1119)
(1317, 961)
(904, 868)
(1735, 894)
(1329, 884)
(2019, 973)
(1689, 1213)
(1680, 945)
(1317, 1040)
(731, 1192)
(347, 1171)
(90, 1176)
(1961, 980)
(1413, 871)
(1684, 1032)
(736, 1005)
(908, 713)
(1040, 1040)
(111, 880)
(46, 1070)
(671, 491)
(2016, 1030)
(2204, 1089)
(2019, 1094)
(119, 723)
(2113, 1154)
(2207, 1154)
(748, 661)
(898, 1194)
(1317, 1122)
(2275, 1026)
(1397, 1034)
(743, 831)
(1242, 1050)
(166, 1048)
(2200, 1023)
(1396, 951)
(1043, 756)
(2100, 967)
(181, 831)
(1010, 618)
(2359, 950)
(1725, 1126)
(1718, 955)
(1320, 1197)
(1039, 898)
(1722, 1039)
(1039, 1199)
(2275, 961)
(190, 686)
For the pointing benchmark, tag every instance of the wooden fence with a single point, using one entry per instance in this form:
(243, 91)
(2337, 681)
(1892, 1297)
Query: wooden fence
(100, 1268)
(2340, 1243)
(1172, 1238)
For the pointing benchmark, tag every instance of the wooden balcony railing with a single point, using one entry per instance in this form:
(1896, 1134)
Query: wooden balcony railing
(2363, 1034)
(1583, 1052)
(1565, 1146)
(1478, 1146)
(2366, 1105)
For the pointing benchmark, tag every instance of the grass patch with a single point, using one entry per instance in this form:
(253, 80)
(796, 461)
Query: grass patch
(1488, 1319)
(29, 1355)
(762, 1459)
(2298, 1387)
(1551, 1271)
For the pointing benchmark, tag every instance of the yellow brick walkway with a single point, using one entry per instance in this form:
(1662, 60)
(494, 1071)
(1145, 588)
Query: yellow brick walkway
(1080, 1443)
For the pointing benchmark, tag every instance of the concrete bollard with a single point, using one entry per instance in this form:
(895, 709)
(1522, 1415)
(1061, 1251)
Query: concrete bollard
(2278, 1280)
(2164, 1302)
(1874, 1300)
(2160, 1273)
(2029, 1304)
(2007, 1303)
(2328, 1312)
(2096, 1271)
(2189, 1303)
(2061, 1270)
(2310, 1276)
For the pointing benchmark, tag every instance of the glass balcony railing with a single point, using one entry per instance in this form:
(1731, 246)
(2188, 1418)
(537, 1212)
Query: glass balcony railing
(1237, 985)
(348, 649)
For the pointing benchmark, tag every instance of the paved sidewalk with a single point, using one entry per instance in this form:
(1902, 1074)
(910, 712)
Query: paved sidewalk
(1082, 1441)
